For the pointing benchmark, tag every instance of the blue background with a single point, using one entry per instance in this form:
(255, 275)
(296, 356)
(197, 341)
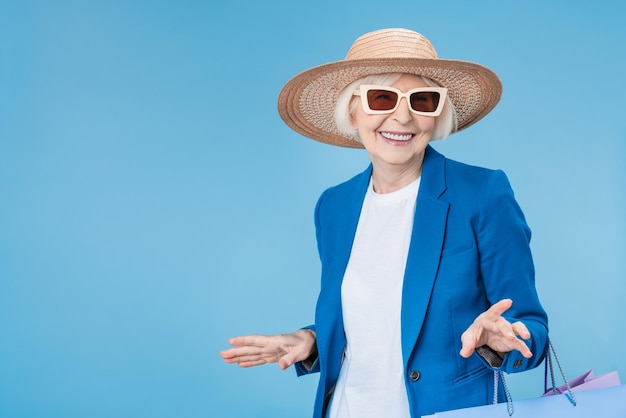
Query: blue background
(153, 204)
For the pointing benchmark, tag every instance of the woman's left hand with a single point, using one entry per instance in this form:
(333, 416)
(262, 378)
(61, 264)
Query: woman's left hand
(491, 329)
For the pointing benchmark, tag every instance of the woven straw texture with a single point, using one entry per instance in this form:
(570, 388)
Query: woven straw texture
(307, 102)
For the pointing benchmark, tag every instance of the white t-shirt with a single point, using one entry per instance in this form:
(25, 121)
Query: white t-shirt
(371, 380)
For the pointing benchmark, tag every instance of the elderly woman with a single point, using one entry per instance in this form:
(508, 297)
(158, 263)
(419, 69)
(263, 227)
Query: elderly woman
(427, 280)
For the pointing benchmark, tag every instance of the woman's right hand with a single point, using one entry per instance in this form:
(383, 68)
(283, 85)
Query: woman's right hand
(284, 349)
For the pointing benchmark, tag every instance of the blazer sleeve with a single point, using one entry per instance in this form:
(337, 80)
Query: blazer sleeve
(312, 364)
(507, 268)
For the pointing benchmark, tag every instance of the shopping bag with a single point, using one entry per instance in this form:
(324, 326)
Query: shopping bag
(608, 402)
(587, 381)
(596, 397)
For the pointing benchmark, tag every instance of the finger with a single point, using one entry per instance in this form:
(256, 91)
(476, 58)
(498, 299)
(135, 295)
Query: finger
(237, 354)
(242, 358)
(240, 351)
(230, 356)
(467, 351)
(230, 353)
(468, 343)
(251, 363)
(504, 329)
(500, 307)
(523, 348)
(286, 361)
(508, 340)
(226, 354)
(478, 333)
(290, 358)
(519, 328)
(253, 340)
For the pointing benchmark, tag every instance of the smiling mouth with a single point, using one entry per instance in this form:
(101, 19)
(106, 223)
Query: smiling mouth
(396, 137)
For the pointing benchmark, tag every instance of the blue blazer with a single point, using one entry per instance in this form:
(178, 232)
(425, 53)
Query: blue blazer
(469, 249)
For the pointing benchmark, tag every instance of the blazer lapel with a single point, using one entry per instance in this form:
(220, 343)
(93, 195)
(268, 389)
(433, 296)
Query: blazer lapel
(425, 249)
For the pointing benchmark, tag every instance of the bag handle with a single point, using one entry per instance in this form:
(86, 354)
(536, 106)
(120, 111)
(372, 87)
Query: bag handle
(498, 375)
(550, 366)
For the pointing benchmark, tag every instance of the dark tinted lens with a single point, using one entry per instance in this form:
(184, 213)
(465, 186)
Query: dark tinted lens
(381, 99)
(425, 101)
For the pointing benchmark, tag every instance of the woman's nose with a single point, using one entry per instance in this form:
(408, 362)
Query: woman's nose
(402, 113)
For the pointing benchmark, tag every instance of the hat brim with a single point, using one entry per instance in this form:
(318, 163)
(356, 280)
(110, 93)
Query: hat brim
(307, 102)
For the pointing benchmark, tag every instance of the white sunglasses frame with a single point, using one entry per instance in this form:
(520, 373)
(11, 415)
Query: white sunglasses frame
(364, 88)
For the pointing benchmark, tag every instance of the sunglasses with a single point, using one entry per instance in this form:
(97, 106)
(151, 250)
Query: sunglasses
(380, 100)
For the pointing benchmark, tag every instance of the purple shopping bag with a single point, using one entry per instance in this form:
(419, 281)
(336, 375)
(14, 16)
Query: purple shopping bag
(596, 397)
(587, 381)
(609, 402)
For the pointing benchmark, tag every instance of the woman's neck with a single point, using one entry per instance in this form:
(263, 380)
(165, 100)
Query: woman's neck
(388, 179)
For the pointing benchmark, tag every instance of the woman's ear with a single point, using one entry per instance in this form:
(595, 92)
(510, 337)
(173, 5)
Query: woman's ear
(352, 112)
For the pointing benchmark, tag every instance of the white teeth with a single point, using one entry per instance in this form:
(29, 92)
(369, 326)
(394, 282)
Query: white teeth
(397, 137)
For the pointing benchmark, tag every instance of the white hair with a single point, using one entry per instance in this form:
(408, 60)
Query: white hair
(345, 107)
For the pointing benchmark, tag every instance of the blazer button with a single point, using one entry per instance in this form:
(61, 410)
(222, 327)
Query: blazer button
(415, 376)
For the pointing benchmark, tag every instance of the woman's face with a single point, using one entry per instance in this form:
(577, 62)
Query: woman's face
(396, 141)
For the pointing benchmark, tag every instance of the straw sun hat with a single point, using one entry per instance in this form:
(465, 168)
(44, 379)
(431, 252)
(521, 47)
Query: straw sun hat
(307, 102)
